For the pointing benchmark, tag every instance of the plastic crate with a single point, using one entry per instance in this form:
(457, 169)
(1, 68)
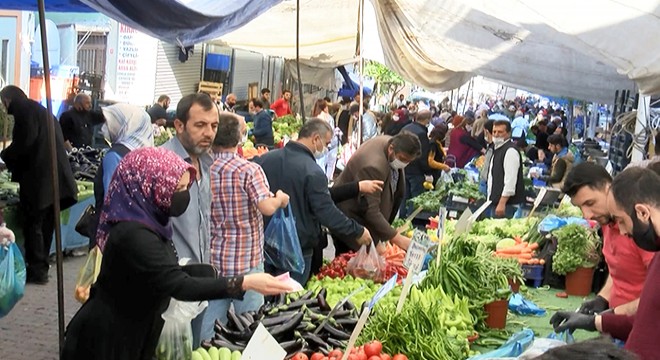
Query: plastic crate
(533, 274)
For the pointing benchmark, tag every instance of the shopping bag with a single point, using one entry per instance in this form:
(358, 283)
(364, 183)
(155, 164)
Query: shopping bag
(88, 274)
(12, 277)
(521, 306)
(516, 345)
(367, 264)
(281, 244)
(84, 224)
(176, 339)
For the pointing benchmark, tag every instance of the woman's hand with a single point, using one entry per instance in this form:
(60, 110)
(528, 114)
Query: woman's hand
(370, 186)
(265, 284)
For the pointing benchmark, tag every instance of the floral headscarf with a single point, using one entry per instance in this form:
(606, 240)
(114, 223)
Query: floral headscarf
(141, 190)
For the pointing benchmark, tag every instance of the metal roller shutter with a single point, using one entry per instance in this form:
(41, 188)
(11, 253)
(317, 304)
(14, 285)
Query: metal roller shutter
(247, 68)
(174, 78)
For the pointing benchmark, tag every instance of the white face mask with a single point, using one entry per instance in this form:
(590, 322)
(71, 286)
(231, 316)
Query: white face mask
(319, 154)
(397, 164)
(498, 141)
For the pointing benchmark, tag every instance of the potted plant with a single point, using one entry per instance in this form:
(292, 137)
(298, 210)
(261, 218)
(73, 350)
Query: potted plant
(578, 252)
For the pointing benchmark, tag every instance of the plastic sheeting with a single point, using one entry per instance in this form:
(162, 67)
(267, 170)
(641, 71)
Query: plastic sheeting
(172, 21)
(584, 50)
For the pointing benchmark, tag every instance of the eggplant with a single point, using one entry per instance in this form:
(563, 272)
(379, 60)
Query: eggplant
(348, 305)
(342, 314)
(206, 344)
(244, 320)
(316, 341)
(308, 295)
(231, 346)
(292, 346)
(347, 322)
(247, 316)
(221, 330)
(281, 299)
(336, 343)
(287, 327)
(281, 318)
(234, 319)
(321, 299)
(306, 326)
(336, 333)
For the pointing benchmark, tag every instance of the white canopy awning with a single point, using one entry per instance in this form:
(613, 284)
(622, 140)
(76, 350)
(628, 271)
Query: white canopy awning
(582, 49)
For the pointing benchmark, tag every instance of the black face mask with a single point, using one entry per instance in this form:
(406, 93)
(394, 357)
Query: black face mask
(644, 234)
(180, 201)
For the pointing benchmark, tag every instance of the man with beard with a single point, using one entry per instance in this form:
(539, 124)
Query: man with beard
(230, 103)
(634, 202)
(158, 112)
(78, 123)
(196, 125)
(588, 185)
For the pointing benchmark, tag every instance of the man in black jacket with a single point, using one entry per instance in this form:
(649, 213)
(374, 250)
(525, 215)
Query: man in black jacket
(28, 158)
(78, 123)
(417, 171)
(293, 170)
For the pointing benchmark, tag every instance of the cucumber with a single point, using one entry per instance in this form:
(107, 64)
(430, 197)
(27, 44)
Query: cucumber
(236, 355)
(224, 354)
(196, 356)
(214, 353)
(205, 354)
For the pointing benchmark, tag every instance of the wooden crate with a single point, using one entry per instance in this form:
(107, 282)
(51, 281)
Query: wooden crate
(214, 89)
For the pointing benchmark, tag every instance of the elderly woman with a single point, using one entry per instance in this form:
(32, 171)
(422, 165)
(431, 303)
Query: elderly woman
(140, 271)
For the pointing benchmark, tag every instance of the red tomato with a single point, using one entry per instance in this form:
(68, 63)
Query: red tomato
(353, 357)
(300, 356)
(361, 355)
(336, 353)
(375, 357)
(400, 357)
(385, 357)
(317, 356)
(373, 348)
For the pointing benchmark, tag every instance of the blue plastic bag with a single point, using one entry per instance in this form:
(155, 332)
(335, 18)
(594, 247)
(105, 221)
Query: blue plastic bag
(553, 222)
(281, 244)
(12, 277)
(565, 336)
(513, 347)
(522, 306)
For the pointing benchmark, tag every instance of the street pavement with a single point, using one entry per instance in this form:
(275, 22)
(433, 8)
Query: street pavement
(30, 330)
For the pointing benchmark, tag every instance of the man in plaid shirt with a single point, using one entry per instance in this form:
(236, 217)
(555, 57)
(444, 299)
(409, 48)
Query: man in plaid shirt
(240, 198)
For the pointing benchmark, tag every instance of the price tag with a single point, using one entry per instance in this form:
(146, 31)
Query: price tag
(462, 223)
(479, 211)
(419, 245)
(263, 345)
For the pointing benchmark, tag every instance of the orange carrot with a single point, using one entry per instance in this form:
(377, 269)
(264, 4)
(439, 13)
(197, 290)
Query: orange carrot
(511, 250)
(525, 256)
(534, 246)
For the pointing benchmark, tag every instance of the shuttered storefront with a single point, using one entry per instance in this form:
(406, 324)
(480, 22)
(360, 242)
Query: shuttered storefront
(174, 78)
(247, 69)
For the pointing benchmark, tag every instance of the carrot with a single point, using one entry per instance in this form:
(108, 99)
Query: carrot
(534, 246)
(525, 256)
(542, 261)
(523, 261)
(517, 239)
(506, 256)
(512, 250)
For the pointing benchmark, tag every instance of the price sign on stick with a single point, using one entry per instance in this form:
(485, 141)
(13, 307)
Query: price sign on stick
(462, 223)
(442, 216)
(538, 200)
(414, 262)
(386, 288)
(478, 213)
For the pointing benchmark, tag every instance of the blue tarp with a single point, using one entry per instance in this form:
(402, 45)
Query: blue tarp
(167, 20)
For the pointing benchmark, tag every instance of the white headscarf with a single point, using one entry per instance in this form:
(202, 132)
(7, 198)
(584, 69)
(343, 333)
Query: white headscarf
(128, 125)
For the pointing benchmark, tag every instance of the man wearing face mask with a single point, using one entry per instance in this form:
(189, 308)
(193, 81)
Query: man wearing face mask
(382, 158)
(505, 180)
(634, 203)
(588, 184)
(294, 171)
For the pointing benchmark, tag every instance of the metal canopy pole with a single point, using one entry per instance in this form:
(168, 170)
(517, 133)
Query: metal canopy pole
(361, 68)
(50, 122)
(300, 81)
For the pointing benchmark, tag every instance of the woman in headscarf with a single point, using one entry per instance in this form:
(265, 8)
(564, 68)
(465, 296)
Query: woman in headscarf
(462, 146)
(140, 271)
(437, 154)
(127, 127)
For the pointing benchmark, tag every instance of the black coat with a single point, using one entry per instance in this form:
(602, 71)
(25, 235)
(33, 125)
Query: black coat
(139, 275)
(294, 171)
(28, 157)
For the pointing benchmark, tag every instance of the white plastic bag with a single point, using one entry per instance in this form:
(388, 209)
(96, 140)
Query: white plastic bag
(176, 339)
